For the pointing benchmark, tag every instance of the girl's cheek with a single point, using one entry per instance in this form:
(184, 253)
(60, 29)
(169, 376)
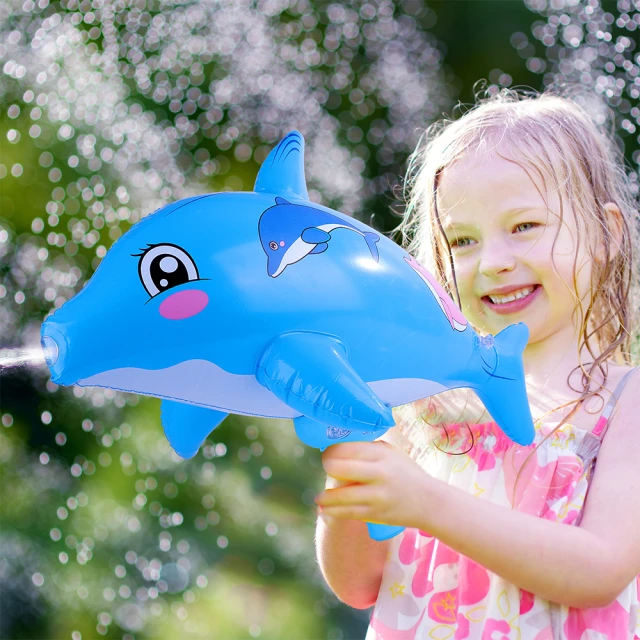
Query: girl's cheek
(184, 304)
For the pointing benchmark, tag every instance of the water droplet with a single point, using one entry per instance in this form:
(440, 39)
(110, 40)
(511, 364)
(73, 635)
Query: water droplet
(266, 566)
(175, 577)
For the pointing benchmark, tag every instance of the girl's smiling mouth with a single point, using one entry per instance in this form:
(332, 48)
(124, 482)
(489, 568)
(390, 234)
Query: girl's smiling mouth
(514, 301)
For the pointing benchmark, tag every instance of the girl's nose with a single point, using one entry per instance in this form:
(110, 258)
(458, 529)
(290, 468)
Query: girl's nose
(495, 258)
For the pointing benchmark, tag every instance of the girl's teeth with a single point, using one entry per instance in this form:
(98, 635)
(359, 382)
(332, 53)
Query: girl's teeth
(504, 299)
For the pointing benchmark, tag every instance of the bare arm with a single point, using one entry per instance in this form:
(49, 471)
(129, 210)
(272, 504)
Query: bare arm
(585, 566)
(563, 564)
(350, 561)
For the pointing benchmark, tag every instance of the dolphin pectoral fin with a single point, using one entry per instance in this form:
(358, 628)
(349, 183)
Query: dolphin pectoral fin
(187, 425)
(320, 436)
(313, 235)
(310, 372)
(320, 248)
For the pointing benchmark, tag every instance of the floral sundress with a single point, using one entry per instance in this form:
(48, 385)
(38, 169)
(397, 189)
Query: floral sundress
(429, 591)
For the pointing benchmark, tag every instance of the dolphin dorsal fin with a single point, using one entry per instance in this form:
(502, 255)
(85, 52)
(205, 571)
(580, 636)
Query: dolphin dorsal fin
(282, 173)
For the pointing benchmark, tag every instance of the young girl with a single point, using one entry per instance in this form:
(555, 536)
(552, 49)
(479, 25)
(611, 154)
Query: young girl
(523, 211)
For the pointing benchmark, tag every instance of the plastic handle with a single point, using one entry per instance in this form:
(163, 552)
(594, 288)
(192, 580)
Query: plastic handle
(383, 531)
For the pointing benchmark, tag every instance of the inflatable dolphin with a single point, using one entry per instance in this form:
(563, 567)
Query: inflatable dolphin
(263, 303)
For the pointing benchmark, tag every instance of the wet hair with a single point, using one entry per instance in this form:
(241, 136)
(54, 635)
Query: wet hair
(566, 140)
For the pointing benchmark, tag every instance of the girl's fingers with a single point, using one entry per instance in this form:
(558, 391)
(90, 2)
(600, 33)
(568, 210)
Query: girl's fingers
(352, 494)
(351, 450)
(351, 470)
(353, 511)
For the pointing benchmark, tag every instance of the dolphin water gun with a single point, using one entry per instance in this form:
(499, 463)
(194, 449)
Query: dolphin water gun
(264, 303)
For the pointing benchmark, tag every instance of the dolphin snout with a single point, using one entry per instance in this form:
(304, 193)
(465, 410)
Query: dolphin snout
(50, 350)
(54, 349)
(275, 267)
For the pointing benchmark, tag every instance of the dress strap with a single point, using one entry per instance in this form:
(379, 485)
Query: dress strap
(590, 446)
(603, 422)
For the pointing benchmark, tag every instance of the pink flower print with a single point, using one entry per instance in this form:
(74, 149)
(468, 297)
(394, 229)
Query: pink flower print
(394, 604)
(462, 630)
(411, 551)
(533, 480)
(611, 621)
(498, 626)
(443, 607)
(527, 600)
(565, 477)
(444, 558)
(482, 454)
(411, 546)
(571, 517)
(408, 550)
(485, 444)
(473, 580)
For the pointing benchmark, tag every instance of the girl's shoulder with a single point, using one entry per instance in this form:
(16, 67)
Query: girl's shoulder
(625, 393)
(622, 382)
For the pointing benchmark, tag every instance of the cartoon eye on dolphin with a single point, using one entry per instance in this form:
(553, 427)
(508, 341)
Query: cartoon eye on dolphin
(163, 266)
(289, 232)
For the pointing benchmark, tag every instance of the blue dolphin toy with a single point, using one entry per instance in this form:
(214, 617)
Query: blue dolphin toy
(263, 303)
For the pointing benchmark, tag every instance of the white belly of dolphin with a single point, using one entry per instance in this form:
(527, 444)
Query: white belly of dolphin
(203, 383)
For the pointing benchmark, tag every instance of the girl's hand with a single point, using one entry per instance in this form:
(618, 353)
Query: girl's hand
(387, 486)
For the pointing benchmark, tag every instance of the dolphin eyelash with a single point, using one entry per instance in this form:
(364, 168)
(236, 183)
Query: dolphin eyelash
(144, 250)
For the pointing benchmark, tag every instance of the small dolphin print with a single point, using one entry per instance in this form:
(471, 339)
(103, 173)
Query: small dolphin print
(289, 232)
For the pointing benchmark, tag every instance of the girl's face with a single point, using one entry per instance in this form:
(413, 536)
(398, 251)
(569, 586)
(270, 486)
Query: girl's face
(502, 234)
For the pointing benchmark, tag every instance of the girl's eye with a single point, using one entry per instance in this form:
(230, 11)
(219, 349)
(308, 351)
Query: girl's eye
(522, 224)
(460, 243)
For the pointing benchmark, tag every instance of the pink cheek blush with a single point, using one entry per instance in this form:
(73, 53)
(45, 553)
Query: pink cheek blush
(184, 304)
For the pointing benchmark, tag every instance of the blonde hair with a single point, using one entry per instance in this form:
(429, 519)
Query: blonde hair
(552, 136)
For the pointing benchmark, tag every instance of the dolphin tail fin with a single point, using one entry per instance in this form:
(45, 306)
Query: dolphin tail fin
(371, 239)
(504, 394)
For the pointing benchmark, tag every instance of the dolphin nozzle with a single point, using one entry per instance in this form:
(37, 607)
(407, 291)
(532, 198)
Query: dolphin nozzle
(50, 350)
